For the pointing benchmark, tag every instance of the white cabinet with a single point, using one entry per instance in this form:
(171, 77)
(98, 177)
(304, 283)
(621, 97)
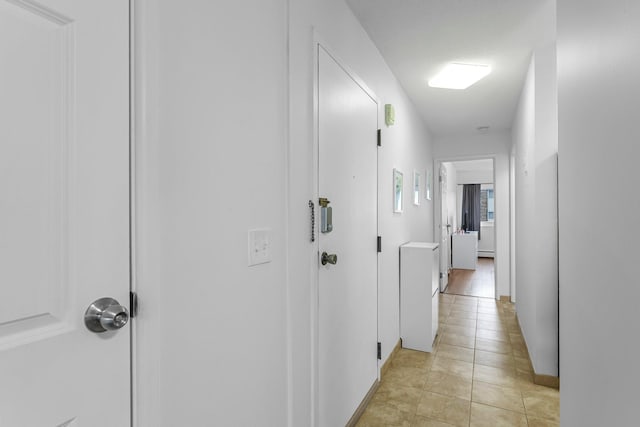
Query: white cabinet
(464, 250)
(419, 294)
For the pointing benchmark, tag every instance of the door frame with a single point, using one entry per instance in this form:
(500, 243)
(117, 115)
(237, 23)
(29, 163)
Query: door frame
(437, 214)
(512, 224)
(133, 130)
(141, 127)
(320, 43)
(146, 331)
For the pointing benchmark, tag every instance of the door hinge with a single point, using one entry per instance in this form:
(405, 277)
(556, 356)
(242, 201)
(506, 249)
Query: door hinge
(379, 244)
(379, 351)
(133, 304)
(379, 137)
(441, 275)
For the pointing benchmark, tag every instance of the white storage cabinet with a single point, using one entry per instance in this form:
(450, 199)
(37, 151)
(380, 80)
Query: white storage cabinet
(465, 250)
(419, 294)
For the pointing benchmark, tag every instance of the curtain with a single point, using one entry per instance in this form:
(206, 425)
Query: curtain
(471, 208)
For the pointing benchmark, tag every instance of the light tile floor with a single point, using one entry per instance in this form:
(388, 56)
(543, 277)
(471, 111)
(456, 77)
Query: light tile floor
(479, 374)
(478, 283)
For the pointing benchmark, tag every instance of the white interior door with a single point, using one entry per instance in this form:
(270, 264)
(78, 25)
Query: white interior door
(445, 231)
(347, 125)
(64, 211)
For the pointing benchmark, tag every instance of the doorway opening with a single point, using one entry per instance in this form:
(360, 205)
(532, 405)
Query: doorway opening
(467, 227)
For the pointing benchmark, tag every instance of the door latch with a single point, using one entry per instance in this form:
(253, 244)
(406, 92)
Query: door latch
(326, 258)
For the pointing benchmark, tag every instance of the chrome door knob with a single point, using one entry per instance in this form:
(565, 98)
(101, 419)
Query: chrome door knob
(328, 258)
(105, 314)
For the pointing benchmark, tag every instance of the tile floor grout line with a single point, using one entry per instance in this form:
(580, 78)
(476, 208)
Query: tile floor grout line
(473, 368)
(520, 385)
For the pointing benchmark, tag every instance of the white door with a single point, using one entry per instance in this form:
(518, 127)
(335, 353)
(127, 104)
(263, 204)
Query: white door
(347, 124)
(64, 211)
(445, 231)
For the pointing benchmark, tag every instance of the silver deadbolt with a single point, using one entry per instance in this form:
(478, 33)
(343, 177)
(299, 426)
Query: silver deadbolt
(326, 258)
(326, 216)
(105, 314)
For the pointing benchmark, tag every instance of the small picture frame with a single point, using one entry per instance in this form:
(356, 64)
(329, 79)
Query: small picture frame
(416, 187)
(398, 183)
(427, 185)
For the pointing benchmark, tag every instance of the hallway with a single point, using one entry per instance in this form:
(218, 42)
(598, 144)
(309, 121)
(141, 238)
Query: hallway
(478, 283)
(478, 375)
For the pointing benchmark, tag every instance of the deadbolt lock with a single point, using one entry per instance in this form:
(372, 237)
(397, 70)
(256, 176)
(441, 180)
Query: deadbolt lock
(326, 215)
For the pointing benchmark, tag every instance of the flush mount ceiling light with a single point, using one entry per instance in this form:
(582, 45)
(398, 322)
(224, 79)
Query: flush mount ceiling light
(459, 76)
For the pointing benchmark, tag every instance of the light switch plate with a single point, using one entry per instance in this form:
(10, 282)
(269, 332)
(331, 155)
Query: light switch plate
(259, 246)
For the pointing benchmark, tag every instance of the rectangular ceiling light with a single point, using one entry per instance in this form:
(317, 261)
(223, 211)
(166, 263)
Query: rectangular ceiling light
(459, 76)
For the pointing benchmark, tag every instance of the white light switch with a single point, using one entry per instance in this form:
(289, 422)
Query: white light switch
(259, 246)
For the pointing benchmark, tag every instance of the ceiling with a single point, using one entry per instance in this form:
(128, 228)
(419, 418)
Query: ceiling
(418, 37)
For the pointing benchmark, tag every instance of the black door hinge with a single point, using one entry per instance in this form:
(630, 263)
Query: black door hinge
(379, 137)
(133, 304)
(379, 244)
(379, 351)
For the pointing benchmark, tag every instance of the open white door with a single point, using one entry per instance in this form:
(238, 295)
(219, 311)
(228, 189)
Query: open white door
(445, 231)
(347, 125)
(64, 211)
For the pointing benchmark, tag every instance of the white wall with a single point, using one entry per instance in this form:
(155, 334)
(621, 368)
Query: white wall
(525, 237)
(496, 145)
(512, 220)
(405, 146)
(211, 108)
(486, 244)
(546, 209)
(535, 131)
(474, 176)
(599, 100)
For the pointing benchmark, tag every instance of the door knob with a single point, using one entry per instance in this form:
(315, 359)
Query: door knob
(105, 314)
(328, 258)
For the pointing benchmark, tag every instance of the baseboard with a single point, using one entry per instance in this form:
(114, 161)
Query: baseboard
(363, 405)
(387, 364)
(546, 380)
(539, 379)
(372, 391)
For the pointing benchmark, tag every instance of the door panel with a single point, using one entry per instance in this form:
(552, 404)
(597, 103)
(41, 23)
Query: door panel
(64, 210)
(31, 159)
(347, 290)
(445, 231)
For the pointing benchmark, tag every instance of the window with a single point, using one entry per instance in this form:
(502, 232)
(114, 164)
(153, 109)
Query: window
(487, 203)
